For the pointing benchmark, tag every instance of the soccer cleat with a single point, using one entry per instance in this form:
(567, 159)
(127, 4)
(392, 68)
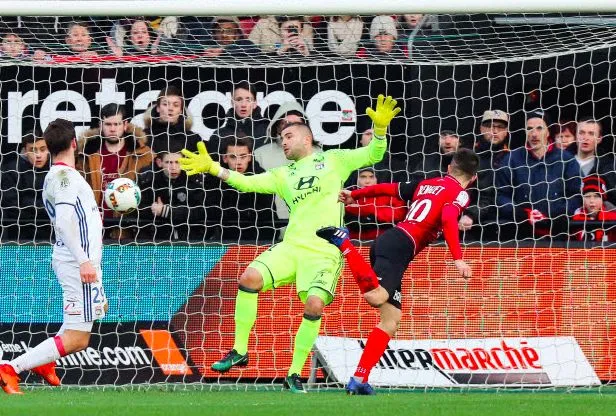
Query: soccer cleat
(333, 235)
(355, 388)
(294, 384)
(48, 372)
(231, 359)
(9, 380)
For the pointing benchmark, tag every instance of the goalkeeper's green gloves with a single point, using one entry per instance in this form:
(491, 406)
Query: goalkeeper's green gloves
(199, 162)
(385, 111)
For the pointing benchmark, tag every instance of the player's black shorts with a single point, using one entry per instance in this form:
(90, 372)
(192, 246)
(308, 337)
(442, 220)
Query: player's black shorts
(390, 256)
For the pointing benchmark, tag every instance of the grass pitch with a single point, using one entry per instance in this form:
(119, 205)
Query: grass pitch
(156, 401)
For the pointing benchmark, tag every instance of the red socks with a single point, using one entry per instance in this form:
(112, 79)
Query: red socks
(374, 349)
(59, 345)
(362, 272)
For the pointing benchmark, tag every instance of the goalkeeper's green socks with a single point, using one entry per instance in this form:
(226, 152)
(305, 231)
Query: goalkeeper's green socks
(304, 340)
(245, 317)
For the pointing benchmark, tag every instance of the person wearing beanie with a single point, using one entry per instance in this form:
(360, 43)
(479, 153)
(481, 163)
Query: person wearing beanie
(383, 37)
(594, 193)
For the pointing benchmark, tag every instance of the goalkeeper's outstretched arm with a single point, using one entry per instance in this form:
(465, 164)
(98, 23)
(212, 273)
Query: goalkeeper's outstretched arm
(384, 112)
(201, 162)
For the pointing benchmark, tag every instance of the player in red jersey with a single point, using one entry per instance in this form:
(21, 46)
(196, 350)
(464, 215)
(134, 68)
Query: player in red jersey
(436, 205)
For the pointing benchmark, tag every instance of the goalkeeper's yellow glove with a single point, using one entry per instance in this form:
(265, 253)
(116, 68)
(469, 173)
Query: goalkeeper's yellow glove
(199, 162)
(385, 111)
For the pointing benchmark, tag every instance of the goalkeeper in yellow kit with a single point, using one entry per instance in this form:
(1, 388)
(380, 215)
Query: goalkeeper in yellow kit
(309, 185)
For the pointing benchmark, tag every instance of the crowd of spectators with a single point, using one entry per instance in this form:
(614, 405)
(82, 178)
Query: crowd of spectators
(163, 38)
(561, 180)
(560, 185)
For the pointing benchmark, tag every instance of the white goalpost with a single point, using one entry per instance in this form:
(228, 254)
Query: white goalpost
(244, 7)
(539, 311)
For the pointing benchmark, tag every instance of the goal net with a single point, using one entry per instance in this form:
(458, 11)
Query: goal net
(540, 308)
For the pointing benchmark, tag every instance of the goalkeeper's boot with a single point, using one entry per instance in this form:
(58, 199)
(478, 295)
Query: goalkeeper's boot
(9, 380)
(294, 384)
(48, 372)
(355, 388)
(231, 359)
(333, 235)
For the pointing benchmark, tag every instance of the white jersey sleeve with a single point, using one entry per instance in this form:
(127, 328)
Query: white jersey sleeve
(70, 203)
(68, 232)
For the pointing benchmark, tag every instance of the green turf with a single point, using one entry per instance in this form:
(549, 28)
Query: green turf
(155, 401)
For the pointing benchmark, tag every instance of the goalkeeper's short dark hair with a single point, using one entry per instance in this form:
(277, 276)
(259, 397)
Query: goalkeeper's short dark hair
(465, 162)
(304, 126)
(59, 135)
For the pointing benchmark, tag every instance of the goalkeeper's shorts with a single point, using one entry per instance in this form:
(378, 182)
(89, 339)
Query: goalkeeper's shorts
(286, 263)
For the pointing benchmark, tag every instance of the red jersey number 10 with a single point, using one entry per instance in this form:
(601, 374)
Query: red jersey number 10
(419, 210)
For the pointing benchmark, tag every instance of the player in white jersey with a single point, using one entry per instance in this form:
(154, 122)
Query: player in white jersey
(76, 260)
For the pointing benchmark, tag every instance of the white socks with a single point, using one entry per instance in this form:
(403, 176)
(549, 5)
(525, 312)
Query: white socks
(43, 353)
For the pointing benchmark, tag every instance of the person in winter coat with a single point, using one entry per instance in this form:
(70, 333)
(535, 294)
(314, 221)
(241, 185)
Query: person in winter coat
(592, 161)
(245, 216)
(113, 150)
(244, 118)
(167, 124)
(594, 193)
(344, 34)
(172, 204)
(21, 181)
(491, 147)
(537, 186)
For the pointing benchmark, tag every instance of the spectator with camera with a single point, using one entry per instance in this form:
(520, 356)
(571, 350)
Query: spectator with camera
(268, 35)
(294, 43)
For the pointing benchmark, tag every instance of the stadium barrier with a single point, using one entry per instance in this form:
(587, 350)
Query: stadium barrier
(171, 309)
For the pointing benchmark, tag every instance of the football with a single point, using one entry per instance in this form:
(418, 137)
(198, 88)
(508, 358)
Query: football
(122, 195)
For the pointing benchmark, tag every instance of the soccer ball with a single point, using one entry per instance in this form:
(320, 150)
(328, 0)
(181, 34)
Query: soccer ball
(122, 195)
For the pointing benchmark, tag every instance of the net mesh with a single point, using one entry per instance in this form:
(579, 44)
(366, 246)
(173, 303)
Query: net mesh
(540, 308)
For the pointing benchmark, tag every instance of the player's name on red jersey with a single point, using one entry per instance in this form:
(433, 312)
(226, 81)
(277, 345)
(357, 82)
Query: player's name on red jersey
(424, 220)
(430, 189)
